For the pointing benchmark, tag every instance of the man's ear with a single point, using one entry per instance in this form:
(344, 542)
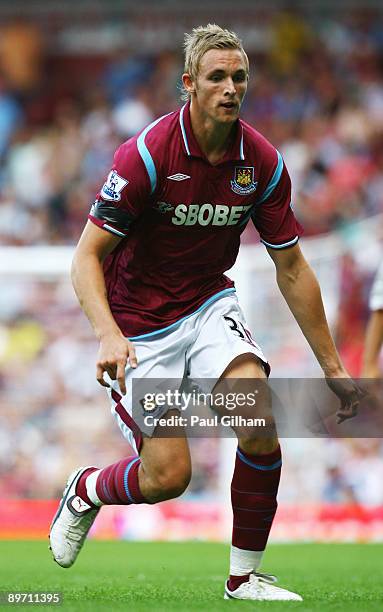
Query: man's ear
(188, 83)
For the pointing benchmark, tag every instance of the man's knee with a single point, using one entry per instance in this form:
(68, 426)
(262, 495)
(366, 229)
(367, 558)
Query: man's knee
(165, 468)
(258, 446)
(264, 430)
(169, 481)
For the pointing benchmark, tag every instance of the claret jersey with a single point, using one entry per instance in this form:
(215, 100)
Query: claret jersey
(180, 219)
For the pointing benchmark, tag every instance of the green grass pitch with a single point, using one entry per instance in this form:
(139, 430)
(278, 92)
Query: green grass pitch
(161, 576)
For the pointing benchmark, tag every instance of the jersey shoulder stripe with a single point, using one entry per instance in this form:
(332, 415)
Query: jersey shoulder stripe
(146, 155)
(241, 152)
(183, 131)
(274, 179)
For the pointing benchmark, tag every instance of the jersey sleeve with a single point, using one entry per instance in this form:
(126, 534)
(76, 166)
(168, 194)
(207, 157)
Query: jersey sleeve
(273, 215)
(376, 295)
(125, 192)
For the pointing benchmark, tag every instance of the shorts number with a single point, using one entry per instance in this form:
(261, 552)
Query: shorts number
(238, 328)
(234, 327)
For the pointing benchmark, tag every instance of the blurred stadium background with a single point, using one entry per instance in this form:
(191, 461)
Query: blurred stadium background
(76, 79)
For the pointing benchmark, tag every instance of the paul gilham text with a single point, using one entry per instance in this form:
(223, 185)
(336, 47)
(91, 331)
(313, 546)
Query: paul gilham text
(196, 421)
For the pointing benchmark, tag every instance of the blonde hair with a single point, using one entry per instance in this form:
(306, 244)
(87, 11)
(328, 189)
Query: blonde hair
(201, 40)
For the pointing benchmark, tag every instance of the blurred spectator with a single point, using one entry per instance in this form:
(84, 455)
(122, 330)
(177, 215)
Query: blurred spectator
(337, 490)
(21, 56)
(352, 314)
(131, 115)
(11, 117)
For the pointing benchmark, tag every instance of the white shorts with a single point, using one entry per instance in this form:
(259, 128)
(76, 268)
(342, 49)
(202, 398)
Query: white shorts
(201, 347)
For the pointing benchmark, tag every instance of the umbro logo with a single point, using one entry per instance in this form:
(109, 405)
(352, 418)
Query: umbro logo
(179, 177)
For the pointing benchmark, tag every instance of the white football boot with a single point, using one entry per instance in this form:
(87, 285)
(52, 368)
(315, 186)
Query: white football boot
(261, 587)
(71, 523)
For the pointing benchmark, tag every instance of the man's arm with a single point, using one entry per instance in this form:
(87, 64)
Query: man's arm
(89, 283)
(300, 288)
(373, 345)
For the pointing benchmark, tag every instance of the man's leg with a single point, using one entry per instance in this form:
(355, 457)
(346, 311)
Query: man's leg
(161, 471)
(254, 490)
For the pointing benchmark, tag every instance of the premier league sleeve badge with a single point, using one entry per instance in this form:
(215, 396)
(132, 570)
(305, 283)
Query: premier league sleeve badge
(113, 186)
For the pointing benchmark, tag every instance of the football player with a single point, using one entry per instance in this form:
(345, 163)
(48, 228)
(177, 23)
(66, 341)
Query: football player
(149, 272)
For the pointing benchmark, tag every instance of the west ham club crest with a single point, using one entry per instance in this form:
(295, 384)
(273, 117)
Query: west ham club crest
(243, 182)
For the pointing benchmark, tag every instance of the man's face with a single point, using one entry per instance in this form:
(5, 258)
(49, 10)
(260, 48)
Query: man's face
(220, 85)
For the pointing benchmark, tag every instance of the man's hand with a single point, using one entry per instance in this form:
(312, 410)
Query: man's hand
(113, 355)
(349, 394)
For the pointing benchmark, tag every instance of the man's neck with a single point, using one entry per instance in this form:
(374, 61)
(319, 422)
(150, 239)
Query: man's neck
(214, 139)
